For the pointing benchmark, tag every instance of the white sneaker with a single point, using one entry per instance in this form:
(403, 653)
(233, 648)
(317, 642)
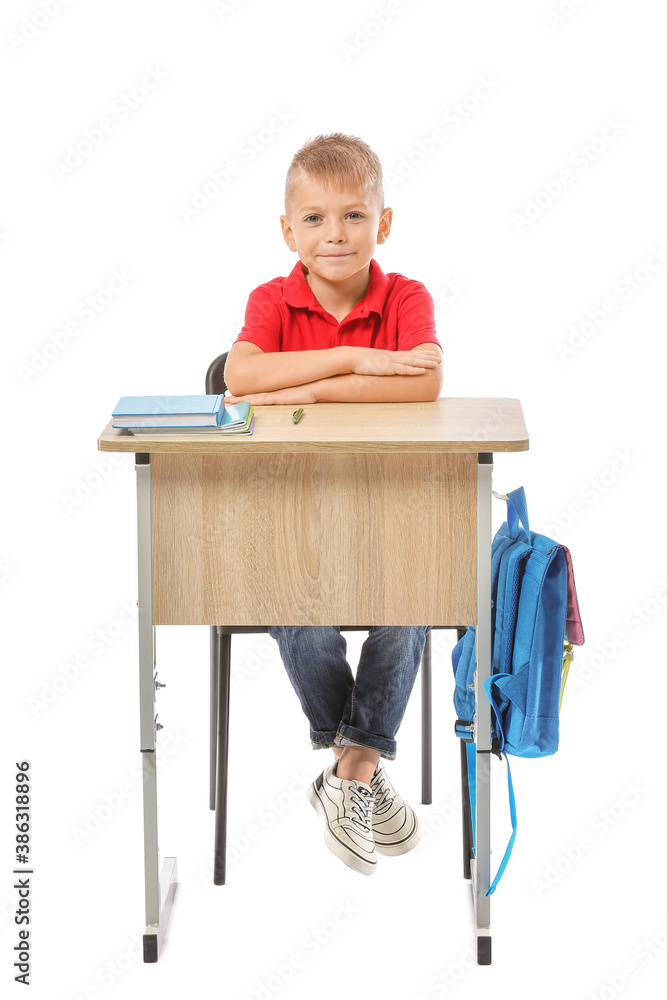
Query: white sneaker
(395, 826)
(346, 808)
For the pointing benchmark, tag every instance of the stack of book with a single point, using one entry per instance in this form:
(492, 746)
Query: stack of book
(182, 415)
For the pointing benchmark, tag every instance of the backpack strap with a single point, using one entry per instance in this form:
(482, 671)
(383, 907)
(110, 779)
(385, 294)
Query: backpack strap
(501, 744)
(517, 510)
(510, 846)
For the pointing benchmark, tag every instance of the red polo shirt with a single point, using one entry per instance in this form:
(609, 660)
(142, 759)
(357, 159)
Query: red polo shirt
(395, 314)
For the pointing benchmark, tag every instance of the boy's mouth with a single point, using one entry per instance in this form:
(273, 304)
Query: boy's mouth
(334, 256)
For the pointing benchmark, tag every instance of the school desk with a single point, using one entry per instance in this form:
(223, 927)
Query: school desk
(364, 513)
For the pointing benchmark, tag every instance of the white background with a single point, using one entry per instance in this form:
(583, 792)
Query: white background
(585, 886)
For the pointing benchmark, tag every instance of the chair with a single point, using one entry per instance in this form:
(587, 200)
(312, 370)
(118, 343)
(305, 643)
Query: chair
(220, 654)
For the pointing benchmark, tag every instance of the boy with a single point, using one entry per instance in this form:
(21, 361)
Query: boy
(339, 330)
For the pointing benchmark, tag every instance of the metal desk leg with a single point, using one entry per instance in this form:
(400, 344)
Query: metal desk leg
(481, 866)
(427, 723)
(160, 886)
(223, 671)
(213, 712)
(466, 811)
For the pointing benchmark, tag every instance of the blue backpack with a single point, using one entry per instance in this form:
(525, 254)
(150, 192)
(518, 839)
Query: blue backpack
(535, 621)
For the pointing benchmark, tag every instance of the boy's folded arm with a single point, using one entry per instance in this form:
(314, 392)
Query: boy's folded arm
(249, 369)
(356, 388)
(371, 389)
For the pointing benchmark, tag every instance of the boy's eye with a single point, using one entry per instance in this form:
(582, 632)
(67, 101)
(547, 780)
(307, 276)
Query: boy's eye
(309, 218)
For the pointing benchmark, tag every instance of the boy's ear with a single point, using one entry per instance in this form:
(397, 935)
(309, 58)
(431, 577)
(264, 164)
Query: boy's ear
(385, 225)
(288, 235)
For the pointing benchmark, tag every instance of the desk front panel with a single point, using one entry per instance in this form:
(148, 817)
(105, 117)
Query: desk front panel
(314, 539)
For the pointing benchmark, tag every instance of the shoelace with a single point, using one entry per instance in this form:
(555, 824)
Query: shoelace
(362, 804)
(383, 797)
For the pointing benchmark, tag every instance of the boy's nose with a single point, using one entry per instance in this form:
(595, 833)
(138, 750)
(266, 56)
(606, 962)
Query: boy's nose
(334, 233)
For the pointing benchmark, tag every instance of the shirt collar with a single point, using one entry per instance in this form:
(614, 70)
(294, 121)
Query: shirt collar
(297, 292)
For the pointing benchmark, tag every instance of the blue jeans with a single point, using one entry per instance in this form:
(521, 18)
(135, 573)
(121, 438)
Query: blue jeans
(343, 710)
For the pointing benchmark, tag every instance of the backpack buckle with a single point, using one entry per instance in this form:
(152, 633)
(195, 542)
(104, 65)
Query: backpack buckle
(464, 730)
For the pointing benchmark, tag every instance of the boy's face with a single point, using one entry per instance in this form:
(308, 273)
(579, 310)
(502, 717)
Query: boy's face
(334, 230)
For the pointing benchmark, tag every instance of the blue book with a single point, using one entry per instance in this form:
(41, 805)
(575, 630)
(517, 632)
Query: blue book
(237, 419)
(169, 411)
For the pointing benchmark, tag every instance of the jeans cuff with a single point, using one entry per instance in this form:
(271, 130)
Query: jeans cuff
(319, 740)
(351, 736)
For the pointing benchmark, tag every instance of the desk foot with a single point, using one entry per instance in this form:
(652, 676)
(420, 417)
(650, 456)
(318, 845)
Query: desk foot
(483, 948)
(155, 933)
(482, 921)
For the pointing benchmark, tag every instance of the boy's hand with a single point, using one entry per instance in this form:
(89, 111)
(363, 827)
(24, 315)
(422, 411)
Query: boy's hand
(293, 395)
(370, 361)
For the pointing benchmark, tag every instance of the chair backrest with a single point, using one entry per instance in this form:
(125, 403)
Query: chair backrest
(215, 376)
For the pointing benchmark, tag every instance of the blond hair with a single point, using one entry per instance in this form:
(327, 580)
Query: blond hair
(336, 159)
